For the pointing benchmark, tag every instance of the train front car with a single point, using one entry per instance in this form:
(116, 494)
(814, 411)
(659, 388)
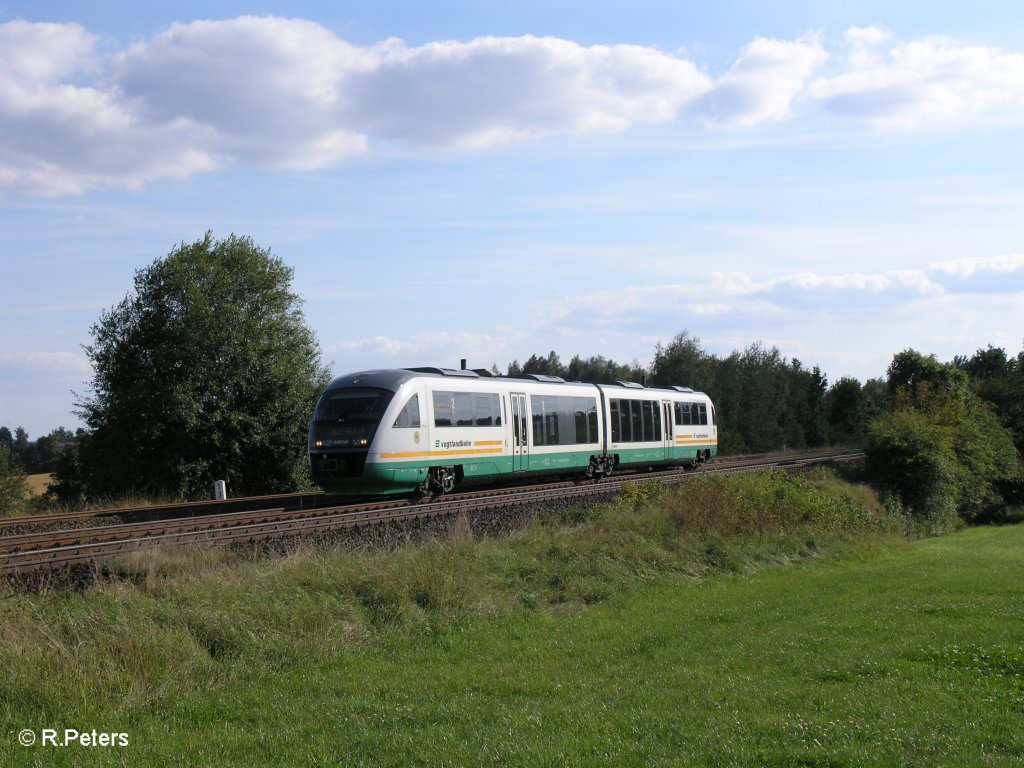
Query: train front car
(345, 426)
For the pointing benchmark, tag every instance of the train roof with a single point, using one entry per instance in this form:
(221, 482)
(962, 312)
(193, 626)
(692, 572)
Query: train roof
(393, 378)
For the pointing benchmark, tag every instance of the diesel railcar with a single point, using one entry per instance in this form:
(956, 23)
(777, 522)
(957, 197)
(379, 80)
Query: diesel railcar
(431, 429)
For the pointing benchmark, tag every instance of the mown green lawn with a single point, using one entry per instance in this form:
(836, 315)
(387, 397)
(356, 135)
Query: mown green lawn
(900, 654)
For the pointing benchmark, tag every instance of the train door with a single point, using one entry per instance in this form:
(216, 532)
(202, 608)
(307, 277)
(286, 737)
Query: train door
(668, 430)
(520, 443)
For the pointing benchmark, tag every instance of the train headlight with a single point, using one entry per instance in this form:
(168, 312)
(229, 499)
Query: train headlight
(319, 443)
(364, 441)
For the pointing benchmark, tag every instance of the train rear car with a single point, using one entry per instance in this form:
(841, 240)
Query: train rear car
(652, 426)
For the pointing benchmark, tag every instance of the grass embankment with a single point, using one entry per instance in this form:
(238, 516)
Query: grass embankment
(619, 635)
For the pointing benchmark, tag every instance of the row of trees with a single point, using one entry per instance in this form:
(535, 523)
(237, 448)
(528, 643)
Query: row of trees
(20, 456)
(33, 457)
(598, 370)
(763, 401)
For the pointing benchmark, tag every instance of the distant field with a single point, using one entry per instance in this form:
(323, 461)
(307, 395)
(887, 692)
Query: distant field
(38, 483)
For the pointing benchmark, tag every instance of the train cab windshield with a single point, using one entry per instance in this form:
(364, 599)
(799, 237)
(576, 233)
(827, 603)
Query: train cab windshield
(348, 418)
(343, 405)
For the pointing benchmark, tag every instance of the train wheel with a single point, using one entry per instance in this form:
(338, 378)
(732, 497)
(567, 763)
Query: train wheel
(442, 479)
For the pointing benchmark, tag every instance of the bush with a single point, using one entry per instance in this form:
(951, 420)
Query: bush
(14, 491)
(915, 459)
(939, 448)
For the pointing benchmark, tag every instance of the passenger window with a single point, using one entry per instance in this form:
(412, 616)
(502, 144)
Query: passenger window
(487, 410)
(444, 408)
(463, 409)
(580, 409)
(683, 414)
(409, 416)
(636, 433)
(537, 412)
(648, 417)
(551, 426)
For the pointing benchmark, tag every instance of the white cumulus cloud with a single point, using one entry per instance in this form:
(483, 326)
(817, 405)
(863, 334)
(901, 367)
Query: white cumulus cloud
(493, 90)
(62, 136)
(289, 93)
(266, 90)
(763, 82)
(924, 83)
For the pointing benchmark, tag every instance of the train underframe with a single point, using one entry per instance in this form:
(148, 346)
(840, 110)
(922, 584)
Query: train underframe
(350, 473)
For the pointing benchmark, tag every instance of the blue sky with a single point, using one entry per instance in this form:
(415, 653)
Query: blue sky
(493, 180)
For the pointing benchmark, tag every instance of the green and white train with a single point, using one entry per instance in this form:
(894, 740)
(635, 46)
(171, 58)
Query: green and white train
(431, 429)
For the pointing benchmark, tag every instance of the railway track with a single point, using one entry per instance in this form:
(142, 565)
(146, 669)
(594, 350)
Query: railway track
(162, 511)
(27, 551)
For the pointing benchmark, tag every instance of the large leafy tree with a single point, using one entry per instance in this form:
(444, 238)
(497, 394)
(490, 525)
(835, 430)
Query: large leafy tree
(206, 371)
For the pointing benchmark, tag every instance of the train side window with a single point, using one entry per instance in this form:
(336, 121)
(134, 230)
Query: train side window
(630, 422)
(683, 417)
(537, 412)
(551, 420)
(463, 409)
(648, 415)
(444, 409)
(579, 405)
(701, 416)
(467, 409)
(614, 418)
(636, 419)
(656, 409)
(566, 421)
(483, 410)
(409, 416)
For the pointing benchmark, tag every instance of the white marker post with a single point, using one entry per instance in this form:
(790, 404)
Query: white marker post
(220, 490)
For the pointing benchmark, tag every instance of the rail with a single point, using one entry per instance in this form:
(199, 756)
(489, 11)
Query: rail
(23, 552)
